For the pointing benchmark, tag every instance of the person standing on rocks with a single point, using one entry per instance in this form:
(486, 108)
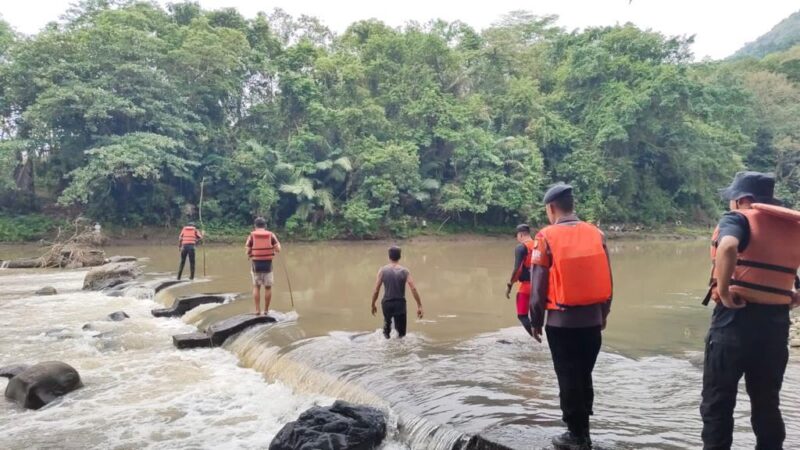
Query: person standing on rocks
(189, 237)
(570, 282)
(394, 278)
(753, 283)
(262, 245)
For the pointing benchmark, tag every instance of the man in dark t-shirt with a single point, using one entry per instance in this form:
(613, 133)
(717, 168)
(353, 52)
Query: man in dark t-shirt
(394, 277)
(744, 339)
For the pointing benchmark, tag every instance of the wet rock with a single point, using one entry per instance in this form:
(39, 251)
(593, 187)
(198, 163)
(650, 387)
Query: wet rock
(184, 304)
(341, 426)
(121, 259)
(795, 343)
(22, 264)
(47, 290)
(13, 370)
(478, 442)
(167, 284)
(110, 275)
(217, 333)
(504, 341)
(191, 340)
(42, 383)
(118, 316)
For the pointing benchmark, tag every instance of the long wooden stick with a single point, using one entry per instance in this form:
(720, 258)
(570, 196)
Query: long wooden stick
(200, 215)
(288, 281)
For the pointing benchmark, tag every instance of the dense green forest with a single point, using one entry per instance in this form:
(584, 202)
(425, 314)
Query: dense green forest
(124, 111)
(782, 36)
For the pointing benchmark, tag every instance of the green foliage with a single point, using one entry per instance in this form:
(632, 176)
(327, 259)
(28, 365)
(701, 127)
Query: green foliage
(26, 228)
(781, 37)
(126, 108)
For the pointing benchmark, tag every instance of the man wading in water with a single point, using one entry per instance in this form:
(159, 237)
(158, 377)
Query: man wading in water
(394, 278)
(262, 246)
(522, 274)
(571, 280)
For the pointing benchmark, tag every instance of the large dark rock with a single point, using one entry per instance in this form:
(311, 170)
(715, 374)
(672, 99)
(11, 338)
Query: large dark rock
(110, 275)
(118, 316)
(339, 427)
(217, 333)
(478, 442)
(184, 304)
(13, 370)
(47, 290)
(42, 383)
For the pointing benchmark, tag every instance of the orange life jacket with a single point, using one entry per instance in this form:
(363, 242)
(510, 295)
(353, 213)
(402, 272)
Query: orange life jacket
(766, 270)
(525, 286)
(579, 274)
(189, 235)
(261, 248)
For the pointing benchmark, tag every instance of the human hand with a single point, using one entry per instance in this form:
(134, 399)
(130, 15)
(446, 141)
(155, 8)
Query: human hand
(729, 300)
(605, 322)
(419, 313)
(374, 309)
(508, 290)
(795, 300)
(537, 334)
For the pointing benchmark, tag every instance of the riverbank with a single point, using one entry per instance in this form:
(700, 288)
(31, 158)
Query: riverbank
(39, 228)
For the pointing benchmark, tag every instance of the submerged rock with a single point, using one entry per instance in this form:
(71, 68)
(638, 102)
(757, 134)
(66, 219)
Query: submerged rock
(38, 385)
(22, 264)
(184, 304)
(118, 316)
(110, 275)
(342, 426)
(167, 284)
(217, 333)
(47, 290)
(13, 370)
(121, 259)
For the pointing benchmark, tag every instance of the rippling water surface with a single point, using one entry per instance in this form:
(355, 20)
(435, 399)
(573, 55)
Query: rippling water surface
(466, 368)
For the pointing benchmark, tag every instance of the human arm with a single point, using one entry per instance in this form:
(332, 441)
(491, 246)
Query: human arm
(276, 244)
(248, 245)
(540, 277)
(607, 305)
(725, 264)
(375, 293)
(198, 235)
(415, 293)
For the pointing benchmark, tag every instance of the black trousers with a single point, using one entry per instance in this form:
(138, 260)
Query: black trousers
(187, 250)
(760, 354)
(394, 310)
(574, 352)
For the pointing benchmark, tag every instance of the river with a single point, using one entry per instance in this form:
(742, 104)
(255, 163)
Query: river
(467, 367)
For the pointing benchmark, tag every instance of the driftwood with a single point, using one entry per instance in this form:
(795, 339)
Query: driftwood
(80, 249)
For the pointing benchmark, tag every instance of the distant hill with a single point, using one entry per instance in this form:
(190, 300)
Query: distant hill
(781, 37)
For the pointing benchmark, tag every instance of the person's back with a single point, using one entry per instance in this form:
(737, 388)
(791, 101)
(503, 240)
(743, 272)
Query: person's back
(394, 277)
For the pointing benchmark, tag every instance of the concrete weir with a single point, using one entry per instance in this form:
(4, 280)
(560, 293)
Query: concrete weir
(183, 304)
(217, 333)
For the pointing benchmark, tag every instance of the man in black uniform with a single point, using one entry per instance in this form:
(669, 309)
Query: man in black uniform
(394, 277)
(745, 338)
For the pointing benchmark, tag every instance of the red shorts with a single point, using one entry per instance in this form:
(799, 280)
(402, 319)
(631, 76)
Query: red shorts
(522, 303)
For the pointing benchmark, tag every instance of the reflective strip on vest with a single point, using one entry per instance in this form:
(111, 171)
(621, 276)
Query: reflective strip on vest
(766, 270)
(261, 248)
(579, 274)
(189, 236)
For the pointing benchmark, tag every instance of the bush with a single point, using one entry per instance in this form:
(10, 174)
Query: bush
(27, 228)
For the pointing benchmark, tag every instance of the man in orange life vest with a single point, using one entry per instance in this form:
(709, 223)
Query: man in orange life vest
(188, 238)
(756, 256)
(262, 246)
(571, 282)
(522, 274)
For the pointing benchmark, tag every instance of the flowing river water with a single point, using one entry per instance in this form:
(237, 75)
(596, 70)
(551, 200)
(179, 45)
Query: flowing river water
(467, 367)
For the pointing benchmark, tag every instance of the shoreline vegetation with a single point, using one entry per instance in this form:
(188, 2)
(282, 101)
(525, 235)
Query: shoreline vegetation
(39, 228)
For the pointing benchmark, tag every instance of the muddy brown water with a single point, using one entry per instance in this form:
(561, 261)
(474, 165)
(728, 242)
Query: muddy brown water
(467, 366)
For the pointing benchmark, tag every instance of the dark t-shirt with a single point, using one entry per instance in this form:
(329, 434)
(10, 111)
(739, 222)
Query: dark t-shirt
(394, 279)
(262, 266)
(520, 253)
(736, 225)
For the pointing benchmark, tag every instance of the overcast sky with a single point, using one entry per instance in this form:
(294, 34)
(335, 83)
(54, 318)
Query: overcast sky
(720, 26)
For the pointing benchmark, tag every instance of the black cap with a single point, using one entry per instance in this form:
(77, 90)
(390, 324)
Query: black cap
(523, 228)
(191, 224)
(760, 186)
(555, 191)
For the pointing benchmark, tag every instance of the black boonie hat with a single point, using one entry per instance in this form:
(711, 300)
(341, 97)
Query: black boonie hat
(523, 228)
(760, 186)
(555, 191)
